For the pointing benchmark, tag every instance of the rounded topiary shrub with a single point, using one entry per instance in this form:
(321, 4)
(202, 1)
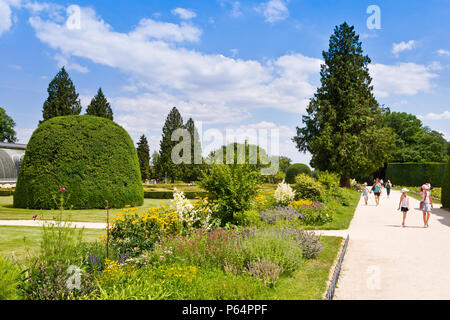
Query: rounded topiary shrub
(445, 197)
(93, 158)
(296, 169)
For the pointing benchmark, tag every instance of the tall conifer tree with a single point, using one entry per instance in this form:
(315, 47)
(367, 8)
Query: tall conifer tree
(344, 123)
(143, 152)
(62, 97)
(100, 106)
(165, 167)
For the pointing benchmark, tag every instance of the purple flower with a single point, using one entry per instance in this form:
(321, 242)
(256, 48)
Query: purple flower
(35, 216)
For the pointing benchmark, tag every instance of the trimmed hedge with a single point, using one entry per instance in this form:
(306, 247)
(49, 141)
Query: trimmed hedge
(169, 194)
(92, 157)
(415, 174)
(296, 169)
(445, 194)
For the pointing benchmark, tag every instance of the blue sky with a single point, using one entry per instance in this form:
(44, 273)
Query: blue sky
(228, 64)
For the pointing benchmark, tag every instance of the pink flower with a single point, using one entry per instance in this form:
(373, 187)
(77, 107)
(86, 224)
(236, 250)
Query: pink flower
(62, 189)
(35, 216)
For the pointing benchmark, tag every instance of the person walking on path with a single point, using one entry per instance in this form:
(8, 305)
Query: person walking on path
(427, 204)
(376, 188)
(388, 188)
(365, 192)
(404, 204)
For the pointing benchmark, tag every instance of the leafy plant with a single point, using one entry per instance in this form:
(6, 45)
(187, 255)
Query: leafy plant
(306, 187)
(233, 187)
(10, 279)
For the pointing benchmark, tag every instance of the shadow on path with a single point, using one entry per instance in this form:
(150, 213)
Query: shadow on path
(443, 216)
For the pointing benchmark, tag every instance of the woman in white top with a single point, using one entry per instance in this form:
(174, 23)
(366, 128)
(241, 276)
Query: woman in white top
(427, 204)
(404, 204)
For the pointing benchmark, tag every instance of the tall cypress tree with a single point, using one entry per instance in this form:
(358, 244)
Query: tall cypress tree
(344, 123)
(99, 106)
(192, 171)
(165, 166)
(62, 97)
(143, 152)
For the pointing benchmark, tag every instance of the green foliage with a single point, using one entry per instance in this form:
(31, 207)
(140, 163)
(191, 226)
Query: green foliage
(445, 194)
(284, 163)
(193, 170)
(7, 124)
(306, 187)
(415, 174)
(169, 194)
(92, 157)
(143, 152)
(343, 127)
(100, 107)
(296, 169)
(414, 142)
(10, 279)
(233, 187)
(329, 180)
(164, 165)
(62, 98)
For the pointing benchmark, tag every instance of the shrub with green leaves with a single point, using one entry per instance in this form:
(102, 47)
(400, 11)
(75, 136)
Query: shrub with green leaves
(306, 187)
(10, 279)
(329, 180)
(445, 193)
(92, 157)
(233, 187)
(296, 169)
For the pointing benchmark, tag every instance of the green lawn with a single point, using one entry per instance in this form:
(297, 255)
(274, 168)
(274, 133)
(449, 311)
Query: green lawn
(310, 282)
(24, 241)
(7, 212)
(343, 216)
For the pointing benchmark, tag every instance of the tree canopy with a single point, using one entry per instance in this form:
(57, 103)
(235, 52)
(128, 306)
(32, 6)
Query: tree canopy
(413, 141)
(7, 124)
(100, 106)
(62, 97)
(143, 152)
(165, 166)
(343, 128)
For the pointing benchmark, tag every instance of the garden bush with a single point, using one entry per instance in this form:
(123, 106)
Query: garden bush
(329, 180)
(306, 187)
(296, 169)
(92, 157)
(445, 193)
(10, 279)
(415, 174)
(233, 186)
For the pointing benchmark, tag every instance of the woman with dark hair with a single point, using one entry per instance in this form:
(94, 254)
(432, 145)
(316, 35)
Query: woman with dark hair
(388, 188)
(376, 188)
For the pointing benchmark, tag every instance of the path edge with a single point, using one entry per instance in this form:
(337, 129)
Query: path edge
(337, 271)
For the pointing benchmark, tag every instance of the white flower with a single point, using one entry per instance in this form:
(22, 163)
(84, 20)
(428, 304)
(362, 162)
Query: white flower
(284, 193)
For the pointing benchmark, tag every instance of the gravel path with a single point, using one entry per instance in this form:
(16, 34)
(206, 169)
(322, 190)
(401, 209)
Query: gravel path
(386, 261)
(38, 223)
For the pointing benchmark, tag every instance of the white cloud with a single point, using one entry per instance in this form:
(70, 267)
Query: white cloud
(235, 10)
(24, 135)
(403, 46)
(64, 62)
(151, 29)
(210, 82)
(5, 16)
(401, 79)
(273, 10)
(446, 135)
(443, 52)
(184, 14)
(434, 116)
